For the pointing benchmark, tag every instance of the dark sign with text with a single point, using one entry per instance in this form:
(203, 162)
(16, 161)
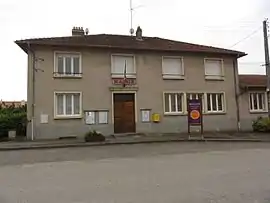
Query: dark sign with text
(194, 112)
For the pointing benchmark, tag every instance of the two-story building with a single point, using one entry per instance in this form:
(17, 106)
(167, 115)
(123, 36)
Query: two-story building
(77, 84)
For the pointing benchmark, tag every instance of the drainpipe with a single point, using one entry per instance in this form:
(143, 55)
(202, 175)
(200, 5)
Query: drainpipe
(33, 92)
(236, 88)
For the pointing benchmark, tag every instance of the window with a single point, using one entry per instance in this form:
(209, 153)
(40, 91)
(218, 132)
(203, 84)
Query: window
(102, 117)
(122, 63)
(213, 68)
(172, 68)
(96, 117)
(257, 101)
(67, 104)
(215, 102)
(67, 65)
(173, 103)
(196, 96)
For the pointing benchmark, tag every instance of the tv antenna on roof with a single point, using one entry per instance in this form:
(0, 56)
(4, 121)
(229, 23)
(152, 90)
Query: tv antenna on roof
(131, 31)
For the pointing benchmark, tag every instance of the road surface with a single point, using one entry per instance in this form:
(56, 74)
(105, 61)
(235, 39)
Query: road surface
(147, 173)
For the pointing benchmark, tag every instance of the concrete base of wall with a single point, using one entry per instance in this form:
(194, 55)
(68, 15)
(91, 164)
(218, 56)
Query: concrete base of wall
(169, 124)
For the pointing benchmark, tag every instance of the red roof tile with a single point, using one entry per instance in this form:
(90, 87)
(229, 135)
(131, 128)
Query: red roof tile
(253, 80)
(126, 42)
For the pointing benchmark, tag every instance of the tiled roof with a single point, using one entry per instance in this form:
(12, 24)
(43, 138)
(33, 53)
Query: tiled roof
(253, 80)
(126, 42)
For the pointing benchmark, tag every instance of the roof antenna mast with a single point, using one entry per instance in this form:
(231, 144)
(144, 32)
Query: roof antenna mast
(131, 31)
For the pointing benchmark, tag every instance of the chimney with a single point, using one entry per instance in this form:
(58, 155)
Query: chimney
(77, 31)
(139, 33)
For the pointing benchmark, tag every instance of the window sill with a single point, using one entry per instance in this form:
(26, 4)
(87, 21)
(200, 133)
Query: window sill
(67, 117)
(174, 114)
(173, 77)
(122, 76)
(77, 76)
(214, 77)
(214, 113)
(258, 112)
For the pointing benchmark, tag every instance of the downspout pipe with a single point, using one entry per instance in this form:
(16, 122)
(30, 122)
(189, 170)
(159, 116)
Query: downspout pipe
(236, 92)
(33, 91)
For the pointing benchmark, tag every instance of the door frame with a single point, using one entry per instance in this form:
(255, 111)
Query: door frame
(135, 103)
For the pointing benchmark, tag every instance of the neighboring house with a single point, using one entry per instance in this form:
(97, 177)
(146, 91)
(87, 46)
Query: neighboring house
(7, 104)
(253, 99)
(82, 75)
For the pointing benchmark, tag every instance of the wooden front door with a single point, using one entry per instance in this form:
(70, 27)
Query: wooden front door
(124, 113)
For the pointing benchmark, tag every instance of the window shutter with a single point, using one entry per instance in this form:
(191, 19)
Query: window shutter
(213, 67)
(60, 104)
(60, 65)
(118, 65)
(68, 65)
(76, 103)
(172, 66)
(68, 104)
(76, 65)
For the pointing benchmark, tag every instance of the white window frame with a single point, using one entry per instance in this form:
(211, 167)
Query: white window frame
(56, 116)
(197, 93)
(173, 76)
(128, 75)
(217, 111)
(214, 77)
(265, 100)
(70, 54)
(183, 103)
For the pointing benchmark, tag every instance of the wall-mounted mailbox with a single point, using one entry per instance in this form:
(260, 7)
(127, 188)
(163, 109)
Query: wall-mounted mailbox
(156, 117)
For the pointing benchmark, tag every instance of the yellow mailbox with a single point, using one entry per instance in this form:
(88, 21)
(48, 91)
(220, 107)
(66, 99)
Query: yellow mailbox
(156, 117)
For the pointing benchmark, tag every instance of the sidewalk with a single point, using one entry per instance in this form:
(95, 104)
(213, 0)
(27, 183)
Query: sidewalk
(213, 137)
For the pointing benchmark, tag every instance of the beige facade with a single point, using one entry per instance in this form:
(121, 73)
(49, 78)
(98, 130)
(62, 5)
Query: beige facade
(253, 104)
(96, 91)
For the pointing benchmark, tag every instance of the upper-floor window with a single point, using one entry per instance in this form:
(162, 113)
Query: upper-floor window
(67, 65)
(172, 67)
(123, 65)
(213, 69)
(257, 101)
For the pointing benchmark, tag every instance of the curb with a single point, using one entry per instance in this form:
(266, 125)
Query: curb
(72, 145)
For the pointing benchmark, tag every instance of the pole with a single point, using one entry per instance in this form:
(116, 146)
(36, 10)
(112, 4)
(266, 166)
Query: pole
(33, 92)
(267, 62)
(131, 15)
(33, 96)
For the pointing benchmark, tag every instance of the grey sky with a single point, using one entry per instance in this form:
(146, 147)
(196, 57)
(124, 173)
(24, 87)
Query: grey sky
(211, 22)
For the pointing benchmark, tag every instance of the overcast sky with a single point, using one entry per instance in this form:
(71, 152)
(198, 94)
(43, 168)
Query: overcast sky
(211, 22)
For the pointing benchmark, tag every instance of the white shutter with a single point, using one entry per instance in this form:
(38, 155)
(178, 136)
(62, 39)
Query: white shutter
(77, 104)
(69, 105)
(60, 104)
(118, 65)
(172, 67)
(213, 67)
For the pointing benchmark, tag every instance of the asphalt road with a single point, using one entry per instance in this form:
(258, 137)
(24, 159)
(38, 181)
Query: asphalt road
(150, 173)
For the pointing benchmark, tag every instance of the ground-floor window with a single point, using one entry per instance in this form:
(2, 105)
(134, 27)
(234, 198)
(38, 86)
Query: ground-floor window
(257, 101)
(68, 104)
(173, 103)
(197, 96)
(176, 103)
(215, 102)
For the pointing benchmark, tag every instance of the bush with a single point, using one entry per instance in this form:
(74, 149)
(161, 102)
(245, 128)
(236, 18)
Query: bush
(262, 124)
(13, 119)
(94, 136)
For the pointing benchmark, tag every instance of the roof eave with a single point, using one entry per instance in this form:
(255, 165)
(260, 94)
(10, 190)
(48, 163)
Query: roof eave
(24, 46)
